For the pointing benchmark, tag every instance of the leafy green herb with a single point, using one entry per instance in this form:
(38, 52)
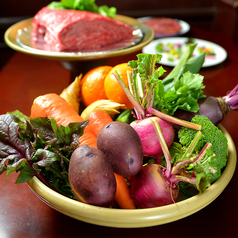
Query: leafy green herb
(141, 82)
(181, 89)
(84, 5)
(185, 94)
(38, 147)
(145, 77)
(183, 86)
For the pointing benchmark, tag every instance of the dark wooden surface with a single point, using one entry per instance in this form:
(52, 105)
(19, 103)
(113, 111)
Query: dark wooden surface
(25, 77)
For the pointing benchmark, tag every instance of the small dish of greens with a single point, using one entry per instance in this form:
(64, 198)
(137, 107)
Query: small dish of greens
(172, 48)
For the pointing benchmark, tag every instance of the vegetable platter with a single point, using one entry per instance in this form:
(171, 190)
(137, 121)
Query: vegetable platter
(76, 170)
(124, 218)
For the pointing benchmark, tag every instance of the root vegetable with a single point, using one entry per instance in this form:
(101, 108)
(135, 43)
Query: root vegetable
(123, 194)
(122, 147)
(63, 113)
(149, 138)
(71, 94)
(156, 186)
(215, 108)
(151, 189)
(91, 177)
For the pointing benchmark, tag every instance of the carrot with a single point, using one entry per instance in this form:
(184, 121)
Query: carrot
(56, 107)
(88, 138)
(63, 113)
(123, 194)
(98, 119)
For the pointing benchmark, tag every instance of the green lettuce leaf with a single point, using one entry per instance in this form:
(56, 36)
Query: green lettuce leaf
(84, 5)
(182, 88)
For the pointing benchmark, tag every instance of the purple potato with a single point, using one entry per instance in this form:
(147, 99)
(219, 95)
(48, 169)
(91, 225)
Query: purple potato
(91, 177)
(122, 146)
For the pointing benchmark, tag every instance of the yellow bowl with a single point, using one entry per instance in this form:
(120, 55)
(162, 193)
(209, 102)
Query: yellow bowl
(112, 217)
(11, 39)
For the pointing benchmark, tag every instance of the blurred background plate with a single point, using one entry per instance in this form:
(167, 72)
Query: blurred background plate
(169, 58)
(184, 26)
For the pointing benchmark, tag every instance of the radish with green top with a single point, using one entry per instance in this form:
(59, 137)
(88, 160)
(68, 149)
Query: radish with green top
(156, 185)
(143, 81)
(149, 139)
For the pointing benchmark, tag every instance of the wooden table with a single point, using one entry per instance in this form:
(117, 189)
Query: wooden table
(22, 214)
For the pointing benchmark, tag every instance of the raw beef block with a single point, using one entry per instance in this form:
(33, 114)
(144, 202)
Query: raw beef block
(77, 31)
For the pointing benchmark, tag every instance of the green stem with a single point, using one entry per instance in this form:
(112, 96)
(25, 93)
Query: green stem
(164, 148)
(138, 108)
(178, 178)
(189, 151)
(193, 143)
(178, 166)
(174, 120)
(203, 151)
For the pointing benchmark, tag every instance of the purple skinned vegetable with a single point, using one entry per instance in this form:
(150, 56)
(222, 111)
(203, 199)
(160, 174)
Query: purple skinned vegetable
(215, 108)
(150, 188)
(149, 139)
(156, 186)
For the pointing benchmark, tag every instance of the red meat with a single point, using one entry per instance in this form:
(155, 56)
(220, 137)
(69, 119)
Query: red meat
(78, 31)
(164, 25)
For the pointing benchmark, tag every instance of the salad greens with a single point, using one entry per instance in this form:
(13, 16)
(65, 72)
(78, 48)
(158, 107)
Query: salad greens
(180, 89)
(84, 5)
(38, 147)
(185, 94)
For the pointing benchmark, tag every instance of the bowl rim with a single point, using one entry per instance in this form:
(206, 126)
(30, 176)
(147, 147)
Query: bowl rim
(113, 217)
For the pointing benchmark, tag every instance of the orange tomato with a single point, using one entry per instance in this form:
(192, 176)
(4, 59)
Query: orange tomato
(92, 85)
(113, 89)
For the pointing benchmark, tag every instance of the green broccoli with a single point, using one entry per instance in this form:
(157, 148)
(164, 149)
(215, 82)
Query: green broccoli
(212, 134)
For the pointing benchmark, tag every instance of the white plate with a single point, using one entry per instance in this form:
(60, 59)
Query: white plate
(185, 27)
(220, 53)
